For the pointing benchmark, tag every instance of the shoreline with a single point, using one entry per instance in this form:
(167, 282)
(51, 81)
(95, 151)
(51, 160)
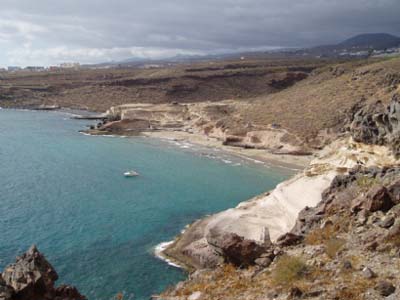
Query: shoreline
(261, 156)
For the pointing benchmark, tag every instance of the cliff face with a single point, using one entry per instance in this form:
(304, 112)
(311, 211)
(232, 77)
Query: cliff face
(32, 277)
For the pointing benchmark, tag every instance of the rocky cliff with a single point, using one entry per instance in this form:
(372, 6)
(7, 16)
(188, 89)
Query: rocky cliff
(331, 232)
(32, 277)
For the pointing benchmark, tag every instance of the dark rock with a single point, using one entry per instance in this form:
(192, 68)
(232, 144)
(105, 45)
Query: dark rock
(378, 125)
(288, 239)
(33, 277)
(295, 293)
(236, 249)
(66, 292)
(377, 199)
(347, 265)
(385, 288)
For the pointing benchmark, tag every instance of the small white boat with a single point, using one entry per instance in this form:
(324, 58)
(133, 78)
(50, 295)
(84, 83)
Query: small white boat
(131, 174)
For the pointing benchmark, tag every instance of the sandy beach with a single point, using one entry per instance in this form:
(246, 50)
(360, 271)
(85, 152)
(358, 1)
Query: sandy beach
(295, 162)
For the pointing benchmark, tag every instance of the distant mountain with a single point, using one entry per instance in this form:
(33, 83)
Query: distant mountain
(359, 45)
(376, 41)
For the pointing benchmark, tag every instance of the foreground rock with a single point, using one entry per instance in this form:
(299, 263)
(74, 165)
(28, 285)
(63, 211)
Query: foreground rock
(32, 277)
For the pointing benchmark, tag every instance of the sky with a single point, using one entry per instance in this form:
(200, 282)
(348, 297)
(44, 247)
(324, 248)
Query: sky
(49, 32)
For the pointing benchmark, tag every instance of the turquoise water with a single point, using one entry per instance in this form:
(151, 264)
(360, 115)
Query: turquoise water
(65, 192)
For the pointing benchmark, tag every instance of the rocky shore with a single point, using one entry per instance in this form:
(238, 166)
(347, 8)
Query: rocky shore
(337, 219)
(32, 277)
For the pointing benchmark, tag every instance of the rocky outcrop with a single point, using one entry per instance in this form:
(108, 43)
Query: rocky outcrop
(236, 249)
(334, 251)
(33, 277)
(378, 125)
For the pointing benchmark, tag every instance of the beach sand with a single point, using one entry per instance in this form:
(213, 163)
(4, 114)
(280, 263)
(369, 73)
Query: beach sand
(295, 162)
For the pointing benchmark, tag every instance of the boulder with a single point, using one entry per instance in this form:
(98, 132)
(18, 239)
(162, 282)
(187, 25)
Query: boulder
(67, 292)
(31, 274)
(236, 249)
(33, 277)
(377, 199)
(289, 239)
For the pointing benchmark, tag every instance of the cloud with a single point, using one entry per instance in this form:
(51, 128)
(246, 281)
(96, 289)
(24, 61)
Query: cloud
(98, 29)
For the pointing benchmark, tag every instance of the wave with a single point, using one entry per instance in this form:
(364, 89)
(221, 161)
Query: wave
(158, 252)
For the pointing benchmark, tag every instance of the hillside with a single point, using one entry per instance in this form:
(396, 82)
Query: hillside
(298, 119)
(97, 90)
(377, 41)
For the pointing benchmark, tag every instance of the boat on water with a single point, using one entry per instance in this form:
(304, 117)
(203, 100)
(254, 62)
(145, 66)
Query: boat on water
(131, 173)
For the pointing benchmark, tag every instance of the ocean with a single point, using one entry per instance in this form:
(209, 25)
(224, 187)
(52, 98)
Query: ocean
(66, 193)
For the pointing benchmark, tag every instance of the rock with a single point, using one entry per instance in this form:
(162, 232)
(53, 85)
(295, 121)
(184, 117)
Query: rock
(264, 262)
(295, 293)
(347, 265)
(387, 222)
(368, 273)
(235, 249)
(288, 239)
(33, 277)
(31, 273)
(195, 296)
(394, 231)
(377, 199)
(66, 292)
(385, 288)
(375, 124)
(394, 192)
(6, 292)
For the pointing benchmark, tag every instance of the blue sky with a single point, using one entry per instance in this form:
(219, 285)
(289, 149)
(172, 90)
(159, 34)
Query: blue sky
(46, 32)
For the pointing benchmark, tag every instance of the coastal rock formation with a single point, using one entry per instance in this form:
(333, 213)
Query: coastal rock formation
(333, 252)
(33, 277)
(378, 125)
(269, 216)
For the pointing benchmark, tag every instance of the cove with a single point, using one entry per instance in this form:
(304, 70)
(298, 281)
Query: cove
(65, 192)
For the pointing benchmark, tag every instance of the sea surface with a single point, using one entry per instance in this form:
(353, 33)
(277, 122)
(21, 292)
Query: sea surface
(65, 192)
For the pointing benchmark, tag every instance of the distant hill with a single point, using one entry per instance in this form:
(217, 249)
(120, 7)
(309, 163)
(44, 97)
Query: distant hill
(376, 41)
(358, 45)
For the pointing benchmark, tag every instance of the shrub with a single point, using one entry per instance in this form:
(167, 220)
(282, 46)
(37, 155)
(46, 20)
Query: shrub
(333, 246)
(365, 183)
(289, 269)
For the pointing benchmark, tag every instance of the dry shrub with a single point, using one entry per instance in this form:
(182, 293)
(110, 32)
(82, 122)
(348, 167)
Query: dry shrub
(289, 269)
(320, 235)
(333, 246)
(355, 287)
(365, 183)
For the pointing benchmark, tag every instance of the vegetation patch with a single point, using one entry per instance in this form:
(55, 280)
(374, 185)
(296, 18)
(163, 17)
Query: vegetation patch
(288, 270)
